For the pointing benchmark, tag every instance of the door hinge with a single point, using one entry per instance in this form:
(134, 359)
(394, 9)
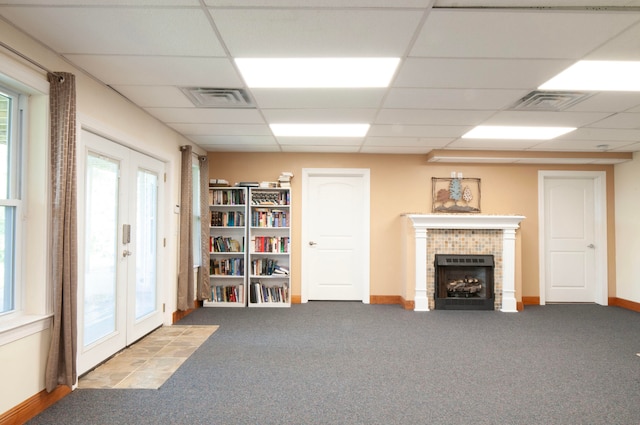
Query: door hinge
(164, 242)
(163, 307)
(165, 177)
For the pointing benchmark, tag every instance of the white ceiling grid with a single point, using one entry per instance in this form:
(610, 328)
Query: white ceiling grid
(463, 63)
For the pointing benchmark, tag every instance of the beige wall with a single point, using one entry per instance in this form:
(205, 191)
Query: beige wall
(628, 229)
(402, 184)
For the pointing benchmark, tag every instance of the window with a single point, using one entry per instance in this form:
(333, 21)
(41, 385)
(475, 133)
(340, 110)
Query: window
(10, 197)
(195, 175)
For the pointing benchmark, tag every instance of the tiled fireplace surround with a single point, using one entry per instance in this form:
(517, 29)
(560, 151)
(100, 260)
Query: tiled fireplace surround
(464, 234)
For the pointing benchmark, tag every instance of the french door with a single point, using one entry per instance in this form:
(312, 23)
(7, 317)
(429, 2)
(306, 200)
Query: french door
(119, 297)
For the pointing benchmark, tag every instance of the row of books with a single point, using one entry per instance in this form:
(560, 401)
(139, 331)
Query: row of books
(227, 294)
(226, 197)
(270, 243)
(267, 267)
(276, 197)
(260, 293)
(226, 266)
(225, 244)
(227, 218)
(263, 217)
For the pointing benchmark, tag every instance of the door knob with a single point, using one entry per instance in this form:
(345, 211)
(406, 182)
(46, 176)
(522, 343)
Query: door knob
(126, 253)
(591, 245)
(312, 243)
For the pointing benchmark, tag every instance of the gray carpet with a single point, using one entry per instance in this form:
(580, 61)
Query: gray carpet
(349, 363)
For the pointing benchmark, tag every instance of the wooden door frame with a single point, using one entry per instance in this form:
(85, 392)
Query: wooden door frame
(364, 174)
(599, 179)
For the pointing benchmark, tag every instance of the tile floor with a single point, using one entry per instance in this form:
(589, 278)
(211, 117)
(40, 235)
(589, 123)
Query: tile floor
(149, 362)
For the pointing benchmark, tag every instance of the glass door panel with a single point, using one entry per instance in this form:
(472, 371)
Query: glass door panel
(147, 239)
(101, 248)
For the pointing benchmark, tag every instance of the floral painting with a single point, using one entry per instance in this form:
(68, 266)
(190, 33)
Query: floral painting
(456, 195)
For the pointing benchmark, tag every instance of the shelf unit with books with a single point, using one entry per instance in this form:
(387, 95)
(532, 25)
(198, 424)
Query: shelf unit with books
(269, 239)
(227, 247)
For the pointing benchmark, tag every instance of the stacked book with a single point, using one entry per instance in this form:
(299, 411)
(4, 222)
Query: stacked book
(285, 179)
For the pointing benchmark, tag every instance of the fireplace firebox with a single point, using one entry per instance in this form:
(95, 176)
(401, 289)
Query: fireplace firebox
(464, 282)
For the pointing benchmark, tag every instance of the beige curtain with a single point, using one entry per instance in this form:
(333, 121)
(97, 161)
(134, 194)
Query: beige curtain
(61, 362)
(204, 285)
(185, 266)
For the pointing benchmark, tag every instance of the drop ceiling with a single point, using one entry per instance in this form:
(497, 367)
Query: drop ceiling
(463, 63)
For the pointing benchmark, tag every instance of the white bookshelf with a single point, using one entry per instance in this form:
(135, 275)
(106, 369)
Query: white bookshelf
(269, 247)
(227, 247)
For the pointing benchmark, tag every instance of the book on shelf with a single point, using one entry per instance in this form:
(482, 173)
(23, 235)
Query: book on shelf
(227, 219)
(273, 244)
(260, 293)
(225, 244)
(227, 293)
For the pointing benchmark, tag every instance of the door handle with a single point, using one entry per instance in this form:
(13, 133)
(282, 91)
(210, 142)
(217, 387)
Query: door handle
(312, 243)
(591, 246)
(126, 253)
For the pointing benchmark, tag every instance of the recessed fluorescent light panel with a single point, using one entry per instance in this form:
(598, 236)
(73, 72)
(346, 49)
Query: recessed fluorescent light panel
(319, 130)
(317, 72)
(516, 133)
(597, 76)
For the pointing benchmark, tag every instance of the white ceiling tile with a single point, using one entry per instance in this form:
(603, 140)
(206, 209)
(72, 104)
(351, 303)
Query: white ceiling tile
(480, 99)
(155, 96)
(429, 131)
(138, 3)
(128, 30)
(415, 142)
(316, 32)
(318, 98)
(535, 3)
(399, 150)
(602, 134)
(334, 116)
(320, 141)
(207, 115)
(609, 102)
(160, 70)
(222, 129)
(320, 148)
(431, 117)
(580, 145)
(622, 120)
(517, 34)
(634, 147)
(624, 47)
(234, 140)
(477, 73)
(545, 118)
(324, 3)
(492, 144)
(241, 148)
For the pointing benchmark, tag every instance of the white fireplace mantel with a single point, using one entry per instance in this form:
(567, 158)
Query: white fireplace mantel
(507, 223)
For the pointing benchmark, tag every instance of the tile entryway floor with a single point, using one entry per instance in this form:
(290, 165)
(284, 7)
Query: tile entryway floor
(149, 362)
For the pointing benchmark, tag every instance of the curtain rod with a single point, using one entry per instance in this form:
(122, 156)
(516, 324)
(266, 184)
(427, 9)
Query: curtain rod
(28, 59)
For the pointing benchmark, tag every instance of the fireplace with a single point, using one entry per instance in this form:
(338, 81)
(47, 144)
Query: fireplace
(464, 282)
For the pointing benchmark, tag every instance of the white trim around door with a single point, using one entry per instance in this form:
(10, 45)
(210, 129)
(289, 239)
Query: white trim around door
(600, 231)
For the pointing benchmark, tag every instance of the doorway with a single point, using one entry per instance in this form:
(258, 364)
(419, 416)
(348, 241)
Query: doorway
(573, 236)
(335, 234)
(119, 289)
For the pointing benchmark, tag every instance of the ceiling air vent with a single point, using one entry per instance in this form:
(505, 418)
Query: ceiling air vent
(549, 100)
(211, 97)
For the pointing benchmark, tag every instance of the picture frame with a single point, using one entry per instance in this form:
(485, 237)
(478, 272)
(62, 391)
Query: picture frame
(455, 195)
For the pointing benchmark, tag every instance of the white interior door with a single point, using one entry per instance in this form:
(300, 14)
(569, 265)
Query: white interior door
(574, 243)
(335, 234)
(119, 287)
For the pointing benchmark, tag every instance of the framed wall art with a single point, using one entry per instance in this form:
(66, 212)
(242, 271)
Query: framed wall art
(455, 195)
